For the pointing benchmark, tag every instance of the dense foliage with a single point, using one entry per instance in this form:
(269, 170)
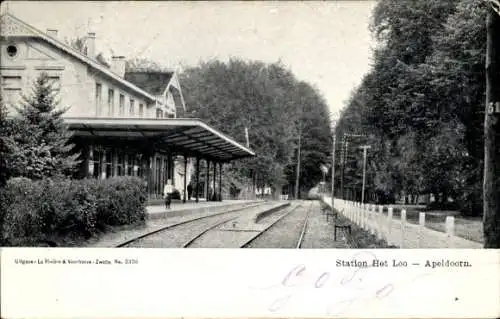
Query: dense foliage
(38, 202)
(421, 105)
(53, 210)
(275, 107)
(35, 142)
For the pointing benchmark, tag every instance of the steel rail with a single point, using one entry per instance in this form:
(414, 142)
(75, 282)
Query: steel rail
(248, 242)
(304, 227)
(189, 242)
(163, 228)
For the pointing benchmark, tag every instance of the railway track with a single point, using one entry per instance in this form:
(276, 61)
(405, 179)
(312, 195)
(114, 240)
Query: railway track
(219, 220)
(206, 230)
(304, 227)
(298, 244)
(173, 226)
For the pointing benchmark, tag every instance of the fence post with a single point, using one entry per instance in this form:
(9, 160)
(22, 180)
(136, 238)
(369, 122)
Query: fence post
(379, 222)
(372, 218)
(450, 230)
(365, 211)
(403, 228)
(351, 210)
(421, 227)
(366, 222)
(389, 225)
(352, 213)
(357, 209)
(357, 214)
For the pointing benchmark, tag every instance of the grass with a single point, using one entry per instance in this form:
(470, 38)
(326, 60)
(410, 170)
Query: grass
(470, 228)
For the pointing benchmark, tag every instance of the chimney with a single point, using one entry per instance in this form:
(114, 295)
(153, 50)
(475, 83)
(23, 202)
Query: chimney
(52, 33)
(118, 65)
(91, 45)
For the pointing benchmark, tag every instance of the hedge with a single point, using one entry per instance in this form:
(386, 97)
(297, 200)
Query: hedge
(48, 210)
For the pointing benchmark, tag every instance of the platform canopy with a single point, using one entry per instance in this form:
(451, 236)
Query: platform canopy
(192, 137)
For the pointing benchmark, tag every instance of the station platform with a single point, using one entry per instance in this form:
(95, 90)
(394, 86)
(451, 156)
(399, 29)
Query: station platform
(178, 208)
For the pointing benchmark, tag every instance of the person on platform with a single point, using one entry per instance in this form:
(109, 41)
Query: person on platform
(210, 193)
(190, 191)
(167, 193)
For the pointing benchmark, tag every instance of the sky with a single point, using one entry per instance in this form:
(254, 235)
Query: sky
(327, 44)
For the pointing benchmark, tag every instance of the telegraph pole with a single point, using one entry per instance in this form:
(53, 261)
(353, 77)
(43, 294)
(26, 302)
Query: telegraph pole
(491, 184)
(298, 168)
(333, 166)
(365, 148)
(342, 163)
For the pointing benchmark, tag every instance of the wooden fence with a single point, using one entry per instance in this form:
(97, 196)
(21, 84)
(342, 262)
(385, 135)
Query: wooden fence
(398, 231)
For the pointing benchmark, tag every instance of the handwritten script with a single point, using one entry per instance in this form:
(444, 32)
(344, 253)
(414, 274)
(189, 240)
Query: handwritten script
(340, 290)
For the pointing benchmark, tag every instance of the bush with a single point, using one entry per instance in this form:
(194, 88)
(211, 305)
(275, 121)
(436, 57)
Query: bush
(48, 210)
(21, 220)
(121, 201)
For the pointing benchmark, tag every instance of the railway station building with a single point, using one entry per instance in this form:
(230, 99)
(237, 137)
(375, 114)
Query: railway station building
(123, 123)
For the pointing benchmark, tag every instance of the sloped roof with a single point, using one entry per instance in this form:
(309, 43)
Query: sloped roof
(150, 81)
(191, 136)
(10, 25)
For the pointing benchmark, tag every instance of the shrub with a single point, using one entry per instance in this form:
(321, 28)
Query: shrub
(21, 219)
(39, 211)
(121, 201)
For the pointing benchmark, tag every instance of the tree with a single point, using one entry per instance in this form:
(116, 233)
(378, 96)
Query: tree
(491, 218)
(79, 43)
(426, 84)
(270, 102)
(143, 65)
(39, 138)
(6, 142)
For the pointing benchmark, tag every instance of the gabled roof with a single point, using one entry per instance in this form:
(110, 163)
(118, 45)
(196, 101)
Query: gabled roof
(10, 25)
(157, 83)
(150, 81)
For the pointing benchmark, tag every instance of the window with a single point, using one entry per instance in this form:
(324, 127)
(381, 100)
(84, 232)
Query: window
(11, 82)
(111, 102)
(159, 113)
(55, 83)
(130, 165)
(138, 166)
(96, 160)
(108, 156)
(158, 186)
(11, 90)
(121, 109)
(131, 110)
(141, 110)
(11, 96)
(165, 170)
(120, 164)
(11, 51)
(98, 98)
